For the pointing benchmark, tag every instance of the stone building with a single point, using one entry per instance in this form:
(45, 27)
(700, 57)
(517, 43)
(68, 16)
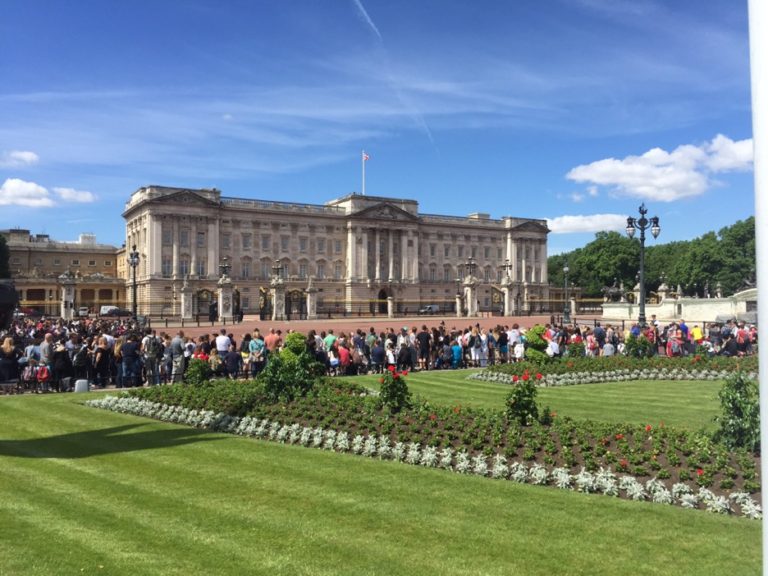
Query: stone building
(359, 251)
(41, 267)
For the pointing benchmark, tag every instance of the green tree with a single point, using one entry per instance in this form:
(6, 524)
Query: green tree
(5, 257)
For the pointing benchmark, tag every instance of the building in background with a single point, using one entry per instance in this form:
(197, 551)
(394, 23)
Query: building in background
(358, 250)
(39, 265)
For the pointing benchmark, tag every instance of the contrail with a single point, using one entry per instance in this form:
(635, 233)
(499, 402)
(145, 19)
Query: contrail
(367, 18)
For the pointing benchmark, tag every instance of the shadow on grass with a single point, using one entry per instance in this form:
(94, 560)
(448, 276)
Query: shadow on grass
(103, 441)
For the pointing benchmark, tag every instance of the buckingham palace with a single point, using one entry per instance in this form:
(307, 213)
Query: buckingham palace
(358, 253)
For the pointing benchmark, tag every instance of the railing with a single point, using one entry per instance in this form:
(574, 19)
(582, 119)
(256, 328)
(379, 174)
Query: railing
(291, 206)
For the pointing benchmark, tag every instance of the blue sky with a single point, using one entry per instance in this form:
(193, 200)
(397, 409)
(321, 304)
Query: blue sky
(575, 111)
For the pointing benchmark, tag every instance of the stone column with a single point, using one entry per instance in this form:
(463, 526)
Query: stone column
(390, 307)
(458, 305)
(513, 260)
(225, 299)
(311, 293)
(193, 250)
(364, 273)
(391, 254)
(213, 248)
(67, 297)
(175, 241)
(415, 259)
(351, 253)
(524, 263)
(404, 271)
(186, 301)
(470, 294)
(277, 291)
(377, 276)
(506, 288)
(543, 275)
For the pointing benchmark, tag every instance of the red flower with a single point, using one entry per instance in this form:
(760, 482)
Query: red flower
(699, 472)
(624, 463)
(553, 414)
(648, 427)
(456, 409)
(619, 436)
(526, 377)
(395, 375)
(514, 378)
(404, 373)
(538, 376)
(391, 368)
(433, 416)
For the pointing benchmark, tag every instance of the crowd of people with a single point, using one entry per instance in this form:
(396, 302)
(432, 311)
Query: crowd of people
(52, 354)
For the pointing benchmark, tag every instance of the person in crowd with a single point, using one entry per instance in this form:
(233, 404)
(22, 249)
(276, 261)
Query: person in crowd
(9, 360)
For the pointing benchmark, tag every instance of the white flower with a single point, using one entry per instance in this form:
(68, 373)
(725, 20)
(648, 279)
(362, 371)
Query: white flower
(585, 481)
(385, 447)
(562, 478)
(518, 472)
(398, 452)
(429, 457)
(446, 458)
(369, 446)
(480, 465)
(538, 474)
(500, 468)
(357, 444)
(413, 453)
(462, 462)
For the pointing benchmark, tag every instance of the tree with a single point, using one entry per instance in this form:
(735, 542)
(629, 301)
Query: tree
(5, 256)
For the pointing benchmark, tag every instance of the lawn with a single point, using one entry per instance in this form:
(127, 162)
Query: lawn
(683, 403)
(86, 491)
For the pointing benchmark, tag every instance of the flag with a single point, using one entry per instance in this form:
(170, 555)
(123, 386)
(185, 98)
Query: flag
(365, 156)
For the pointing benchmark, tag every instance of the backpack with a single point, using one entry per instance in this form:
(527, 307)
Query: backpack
(152, 349)
(81, 357)
(741, 337)
(478, 342)
(43, 374)
(28, 374)
(675, 347)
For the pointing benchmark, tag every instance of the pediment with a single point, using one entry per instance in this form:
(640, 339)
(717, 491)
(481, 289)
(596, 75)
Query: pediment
(185, 198)
(385, 211)
(532, 226)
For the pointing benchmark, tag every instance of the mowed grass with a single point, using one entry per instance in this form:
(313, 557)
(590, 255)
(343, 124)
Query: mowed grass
(85, 491)
(681, 403)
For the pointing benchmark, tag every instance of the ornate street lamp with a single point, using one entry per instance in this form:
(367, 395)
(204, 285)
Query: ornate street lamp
(224, 267)
(277, 270)
(471, 265)
(567, 308)
(133, 262)
(507, 266)
(642, 224)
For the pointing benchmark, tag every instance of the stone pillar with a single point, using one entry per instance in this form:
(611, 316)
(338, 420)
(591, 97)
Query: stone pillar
(186, 301)
(277, 291)
(506, 288)
(377, 276)
(193, 250)
(390, 307)
(225, 299)
(175, 242)
(404, 255)
(67, 297)
(364, 273)
(470, 294)
(543, 273)
(391, 254)
(415, 259)
(311, 294)
(212, 240)
(351, 254)
(513, 260)
(458, 305)
(526, 298)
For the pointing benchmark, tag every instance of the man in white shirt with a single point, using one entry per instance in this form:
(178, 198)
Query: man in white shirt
(222, 342)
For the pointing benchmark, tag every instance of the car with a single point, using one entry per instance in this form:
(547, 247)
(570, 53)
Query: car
(82, 311)
(115, 312)
(429, 309)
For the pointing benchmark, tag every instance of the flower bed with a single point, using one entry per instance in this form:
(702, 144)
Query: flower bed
(571, 371)
(639, 462)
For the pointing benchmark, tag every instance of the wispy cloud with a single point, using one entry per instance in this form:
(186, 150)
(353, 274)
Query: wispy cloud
(16, 192)
(18, 158)
(667, 176)
(588, 223)
(72, 195)
(364, 13)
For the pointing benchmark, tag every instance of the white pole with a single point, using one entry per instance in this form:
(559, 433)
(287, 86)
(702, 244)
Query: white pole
(758, 49)
(362, 159)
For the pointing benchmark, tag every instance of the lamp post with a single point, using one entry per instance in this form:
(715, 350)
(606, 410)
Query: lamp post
(567, 308)
(471, 265)
(133, 262)
(507, 267)
(224, 267)
(642, 224)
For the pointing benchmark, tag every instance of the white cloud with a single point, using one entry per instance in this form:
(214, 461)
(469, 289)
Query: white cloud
(667, 176)
(588, 223)
(16, 192)
(73, 195)
(18, 158)
(576, 197)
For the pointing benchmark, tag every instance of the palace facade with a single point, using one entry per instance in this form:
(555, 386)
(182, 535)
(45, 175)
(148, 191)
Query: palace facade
(357, 251)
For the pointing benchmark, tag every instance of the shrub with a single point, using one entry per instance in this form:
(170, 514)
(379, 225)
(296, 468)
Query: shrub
(739, 421)
(394, 393)
(638, 346)
(521, 402)
(292, 372)
(198, 373)
(536, 346)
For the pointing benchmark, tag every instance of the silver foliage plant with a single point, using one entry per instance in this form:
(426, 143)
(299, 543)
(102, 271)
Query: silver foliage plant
(604, 481)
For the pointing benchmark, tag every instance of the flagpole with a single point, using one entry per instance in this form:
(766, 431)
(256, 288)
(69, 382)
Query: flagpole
(362, 159)
(758, 20)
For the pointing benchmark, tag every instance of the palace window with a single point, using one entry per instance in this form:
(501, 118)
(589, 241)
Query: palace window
(226, 240)
(167, 267)
(202, 268)
(75, 262)
(461, 251)
(447, 249)
(284, 240)
(201, 239)
(303, 245)
(487, 252)
(245, 270)
(321, 245)
(432, 250)
(338, 246)
(266, 269)
(303, 267)
(246, 241)
(266, 242)
(167, 237)
(91, 262)
(183, 267)
(337, 271)
(184, 237)
(320, 270)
